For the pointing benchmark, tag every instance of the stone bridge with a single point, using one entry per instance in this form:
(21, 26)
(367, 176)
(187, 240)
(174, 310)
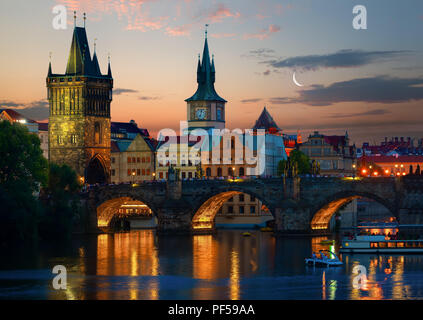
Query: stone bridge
(299, 205)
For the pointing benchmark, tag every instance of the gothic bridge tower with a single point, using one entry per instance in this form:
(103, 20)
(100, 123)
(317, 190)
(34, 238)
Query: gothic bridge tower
(79, 120)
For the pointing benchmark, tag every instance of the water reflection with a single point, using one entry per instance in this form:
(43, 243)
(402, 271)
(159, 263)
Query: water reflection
(142, 265)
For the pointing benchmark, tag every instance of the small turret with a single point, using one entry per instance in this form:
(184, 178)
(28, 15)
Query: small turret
(49, 74)
(199, 70)
(109, 71)
(95, 66)
(213, 71)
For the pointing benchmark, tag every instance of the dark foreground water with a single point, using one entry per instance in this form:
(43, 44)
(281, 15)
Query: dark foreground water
(142, 265)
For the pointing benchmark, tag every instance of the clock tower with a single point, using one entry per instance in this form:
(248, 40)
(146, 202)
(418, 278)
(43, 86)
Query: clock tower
(206, 109)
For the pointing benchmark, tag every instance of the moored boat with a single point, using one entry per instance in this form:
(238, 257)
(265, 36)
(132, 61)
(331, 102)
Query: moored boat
(380, 244)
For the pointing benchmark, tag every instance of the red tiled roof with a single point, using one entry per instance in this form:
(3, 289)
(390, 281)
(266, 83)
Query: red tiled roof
(265, 121)
(16, 116)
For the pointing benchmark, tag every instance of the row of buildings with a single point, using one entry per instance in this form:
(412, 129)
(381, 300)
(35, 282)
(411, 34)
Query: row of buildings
(80, 133)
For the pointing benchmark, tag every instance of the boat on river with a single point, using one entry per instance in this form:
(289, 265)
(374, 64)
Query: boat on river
(324, 260)
(379, 244)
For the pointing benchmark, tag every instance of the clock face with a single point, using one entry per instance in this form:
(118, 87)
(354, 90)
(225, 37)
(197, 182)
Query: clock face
(201, 114)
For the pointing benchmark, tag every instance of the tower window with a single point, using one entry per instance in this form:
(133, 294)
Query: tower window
(59, 139)
(73, 139)
(97, 133)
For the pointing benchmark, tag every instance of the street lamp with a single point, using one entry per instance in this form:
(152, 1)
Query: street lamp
(233, 173)
(154, 176)
(82, 180)
(353, 170)
(133, 177)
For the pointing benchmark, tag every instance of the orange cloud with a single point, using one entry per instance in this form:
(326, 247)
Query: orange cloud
(264, 33)
(179, 31)
(220, 12)
(132, 11)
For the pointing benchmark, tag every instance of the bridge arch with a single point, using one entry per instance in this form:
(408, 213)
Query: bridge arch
(323, 212)
(109, 208)
(205, 212)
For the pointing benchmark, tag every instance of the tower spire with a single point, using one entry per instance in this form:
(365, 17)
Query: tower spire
(49, 65)
(74, 18)
(95, 65)
(85, 18)
(109, 71)
(205, 77)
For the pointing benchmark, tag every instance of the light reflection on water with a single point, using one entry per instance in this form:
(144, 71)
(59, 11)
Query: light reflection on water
(142, 265)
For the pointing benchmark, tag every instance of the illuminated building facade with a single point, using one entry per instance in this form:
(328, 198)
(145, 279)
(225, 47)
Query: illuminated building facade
(390, 165)
(334, 153)
(180, 154)
(132, 154)
(79, 121)
(14, 116)
(43, 135)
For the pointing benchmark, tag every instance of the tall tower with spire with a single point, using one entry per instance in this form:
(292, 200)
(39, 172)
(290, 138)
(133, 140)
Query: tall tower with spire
(206, 109)
(79, 120)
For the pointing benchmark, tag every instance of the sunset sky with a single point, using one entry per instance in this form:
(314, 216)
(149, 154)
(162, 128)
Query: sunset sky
(369, 82)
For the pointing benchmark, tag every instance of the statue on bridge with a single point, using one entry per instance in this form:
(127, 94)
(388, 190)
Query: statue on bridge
(173, 175)
(315, 167)
(290, 169)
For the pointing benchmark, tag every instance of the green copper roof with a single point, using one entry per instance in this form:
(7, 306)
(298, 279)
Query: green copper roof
(79, 61)
(205, 79)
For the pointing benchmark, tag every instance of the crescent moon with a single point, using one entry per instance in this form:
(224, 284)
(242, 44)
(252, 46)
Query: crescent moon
(295, 81)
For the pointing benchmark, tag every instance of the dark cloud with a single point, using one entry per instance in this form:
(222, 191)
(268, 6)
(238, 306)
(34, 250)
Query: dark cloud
(375, 112)
(341, 59)
(281, 100)
(148, 98)
(119, 91)
(381, 89)
(261, 53)
(251, 100)
(8, 104)
(35, 110)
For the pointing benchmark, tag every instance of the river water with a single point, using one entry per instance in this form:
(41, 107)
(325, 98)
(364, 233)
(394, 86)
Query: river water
(143, 265)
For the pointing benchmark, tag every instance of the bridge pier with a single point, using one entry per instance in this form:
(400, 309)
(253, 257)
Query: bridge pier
(290, 218)
(174, 217)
